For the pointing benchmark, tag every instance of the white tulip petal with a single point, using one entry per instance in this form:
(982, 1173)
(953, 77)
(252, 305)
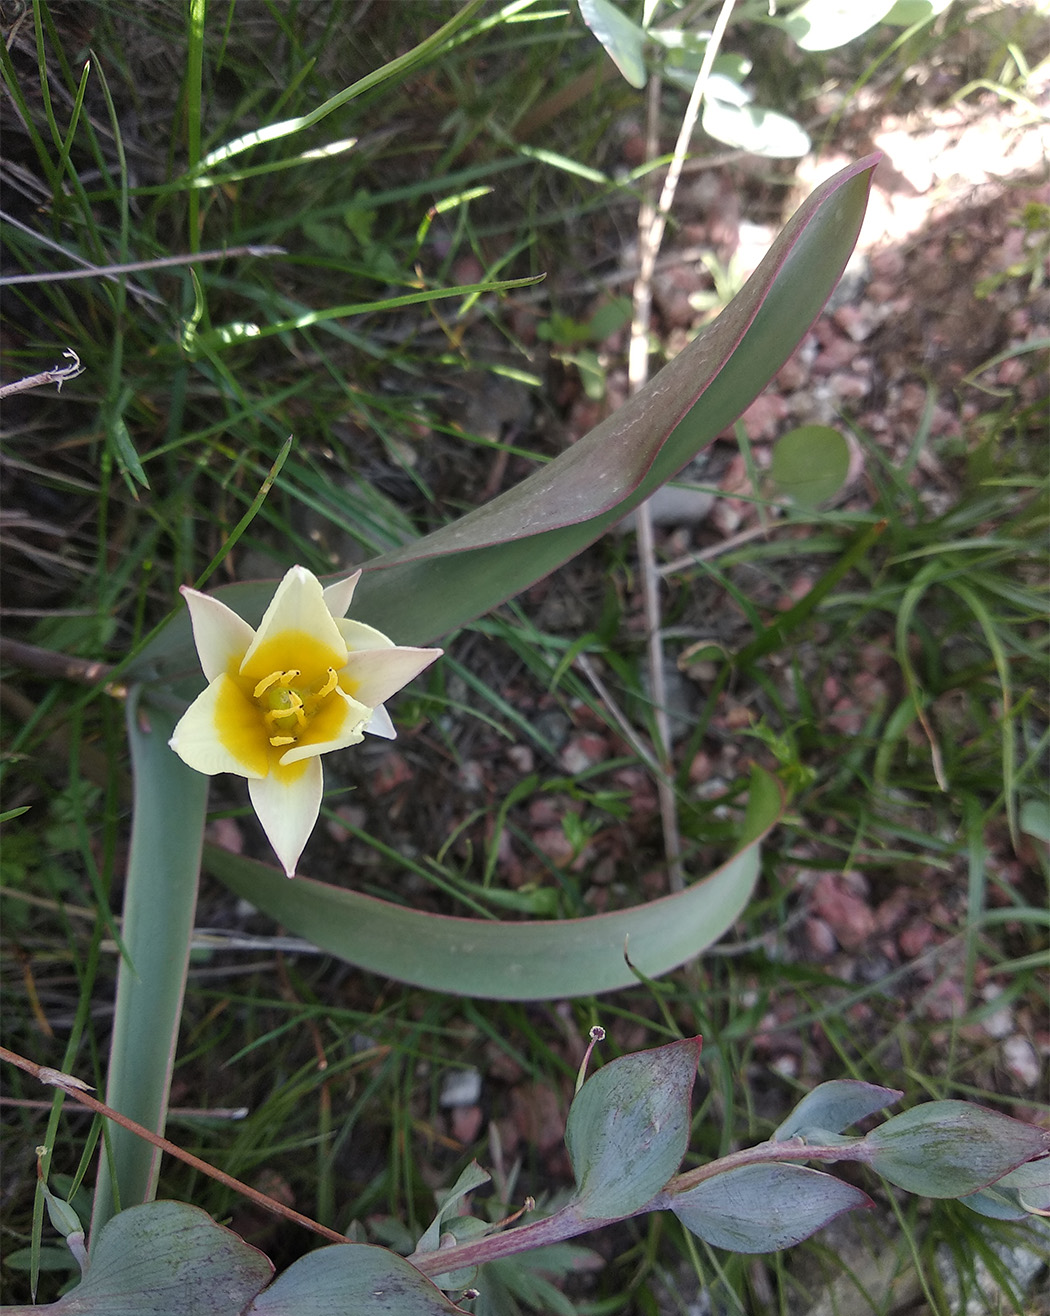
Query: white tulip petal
(222, 638)
(342, 724)
(373, 675)
(379, 724)
(297, 609)
(219, 723)
(339, 595)
(287, 803)
(359, 636)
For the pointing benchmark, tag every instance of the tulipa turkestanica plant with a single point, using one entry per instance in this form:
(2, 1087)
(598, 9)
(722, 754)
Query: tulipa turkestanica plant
(262, 679)
(303, 680)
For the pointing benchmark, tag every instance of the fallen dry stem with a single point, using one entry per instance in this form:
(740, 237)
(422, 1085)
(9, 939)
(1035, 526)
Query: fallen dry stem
(74, 1088)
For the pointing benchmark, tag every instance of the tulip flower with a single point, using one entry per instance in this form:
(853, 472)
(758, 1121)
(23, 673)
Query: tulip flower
(307, 682)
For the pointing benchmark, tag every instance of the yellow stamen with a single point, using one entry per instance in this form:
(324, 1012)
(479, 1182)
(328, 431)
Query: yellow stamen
(277, 741)
(275, 678)
(329, 685)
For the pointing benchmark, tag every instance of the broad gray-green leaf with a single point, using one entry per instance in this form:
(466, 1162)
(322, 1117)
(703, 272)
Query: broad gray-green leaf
(952, 1148)
(623, 40)
(754, 128)
(164, 1259)
(810, 464)
(353, 1279)
(628, 1129)
(828, 24)
(835, 1106)
(446, 579)
(1015, 1195)
(763, 1208)
(526, 961)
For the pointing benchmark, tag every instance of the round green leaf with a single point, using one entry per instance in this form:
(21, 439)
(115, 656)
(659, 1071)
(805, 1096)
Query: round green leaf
(810, 464)
(763, 1208)
(628, 1129)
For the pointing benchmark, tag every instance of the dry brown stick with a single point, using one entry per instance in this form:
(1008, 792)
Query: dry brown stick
(87, 671)
(75, 1089)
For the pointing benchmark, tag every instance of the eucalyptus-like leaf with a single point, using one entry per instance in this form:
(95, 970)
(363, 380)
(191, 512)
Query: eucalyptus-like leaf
(828, 24)
(446, 579)
(1017, 1194)
(352, 1279)
(907, 12)
(765, 1207)
(623, 40)
(538, 960)
(754, 128)
(628, 1129)
(952, 1148)
(164, 1259)
(833, 1107)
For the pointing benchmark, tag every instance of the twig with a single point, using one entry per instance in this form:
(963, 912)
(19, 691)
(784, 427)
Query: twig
(135, 266)
(57, 375)
(76, 1090)
(46, 662)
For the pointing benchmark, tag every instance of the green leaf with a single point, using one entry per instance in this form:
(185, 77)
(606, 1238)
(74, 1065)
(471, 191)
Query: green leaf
(162, 1259)
(440, 582)
(834, 1106)
(906, 13)
(754, 128)
(524, 961)
(472, 1177)
(623, 40)
(810, 464)
(1015, 1195)
(628, 1129)
(160, 898)
(763, 1208)
(353, 1279)
(952, 1148)
(828, 24)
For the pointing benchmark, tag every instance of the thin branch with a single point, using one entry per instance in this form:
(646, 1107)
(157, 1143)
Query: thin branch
(63, 666)
(57, 375)
(651, 225)
(75, 1089)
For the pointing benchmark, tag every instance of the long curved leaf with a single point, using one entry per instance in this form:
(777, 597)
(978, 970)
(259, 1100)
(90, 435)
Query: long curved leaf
(534, 961)
(442, 581)
(160, 899)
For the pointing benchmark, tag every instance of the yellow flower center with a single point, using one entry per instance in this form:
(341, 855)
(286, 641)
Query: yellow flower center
(287, 705)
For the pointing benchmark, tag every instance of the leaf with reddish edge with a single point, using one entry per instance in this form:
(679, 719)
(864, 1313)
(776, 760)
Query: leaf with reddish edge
(833, 1107)
(353, 1280)
(628, 1129)
(160, 1258)
(952, 1148)
(766, 1207)
(440, 582)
